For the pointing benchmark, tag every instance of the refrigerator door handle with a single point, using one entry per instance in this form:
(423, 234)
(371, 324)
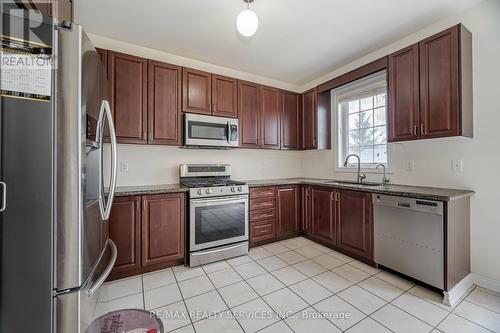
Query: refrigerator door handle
(106, 113)
(97, 283)
(4, 196)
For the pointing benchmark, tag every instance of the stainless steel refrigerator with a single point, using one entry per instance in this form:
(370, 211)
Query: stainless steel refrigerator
(56, 133)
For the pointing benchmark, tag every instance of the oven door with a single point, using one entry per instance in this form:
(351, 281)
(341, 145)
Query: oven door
(211, 131)
(218, 221)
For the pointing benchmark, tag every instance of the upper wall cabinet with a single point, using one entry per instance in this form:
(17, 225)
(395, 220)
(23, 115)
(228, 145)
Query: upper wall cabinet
(309, 119)
(270, 110)
(128, 80)
(196, 91)
(290, 120)
(249, 114)
(224, 96)
(209, 94)
(164, 99)
(430, 87)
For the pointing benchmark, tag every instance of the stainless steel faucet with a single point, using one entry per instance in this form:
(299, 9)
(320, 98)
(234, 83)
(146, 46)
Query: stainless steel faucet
(385, 179)
(361, 175)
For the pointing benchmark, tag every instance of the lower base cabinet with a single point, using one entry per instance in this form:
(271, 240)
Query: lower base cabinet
(148, 232)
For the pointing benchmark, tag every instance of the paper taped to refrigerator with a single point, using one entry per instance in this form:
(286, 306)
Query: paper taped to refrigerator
(25, 70)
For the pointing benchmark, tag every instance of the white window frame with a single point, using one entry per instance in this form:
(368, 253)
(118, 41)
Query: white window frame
(371, 82)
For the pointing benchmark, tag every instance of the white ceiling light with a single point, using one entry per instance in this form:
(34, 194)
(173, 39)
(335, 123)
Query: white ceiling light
(247, 22)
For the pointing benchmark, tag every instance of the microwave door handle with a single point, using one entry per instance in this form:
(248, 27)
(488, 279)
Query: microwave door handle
(106, 114)
(228, 132)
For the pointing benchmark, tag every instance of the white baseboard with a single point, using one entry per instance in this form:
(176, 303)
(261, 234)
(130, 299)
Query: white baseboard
(486, 282)
(455, 294)
(461, 289)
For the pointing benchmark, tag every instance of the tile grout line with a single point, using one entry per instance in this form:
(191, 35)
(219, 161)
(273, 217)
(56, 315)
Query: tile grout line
(183, 301)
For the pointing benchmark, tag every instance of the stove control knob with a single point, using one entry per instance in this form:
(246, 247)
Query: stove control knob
(240, 188)
(200, 191)
(233, 189)
(208, 191)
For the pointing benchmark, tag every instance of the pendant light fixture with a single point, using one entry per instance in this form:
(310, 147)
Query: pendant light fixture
(247, 21)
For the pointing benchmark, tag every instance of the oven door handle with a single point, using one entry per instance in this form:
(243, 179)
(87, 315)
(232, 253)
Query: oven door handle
(243, 198)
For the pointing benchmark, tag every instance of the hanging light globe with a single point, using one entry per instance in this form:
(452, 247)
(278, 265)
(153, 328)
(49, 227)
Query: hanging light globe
(247, 21)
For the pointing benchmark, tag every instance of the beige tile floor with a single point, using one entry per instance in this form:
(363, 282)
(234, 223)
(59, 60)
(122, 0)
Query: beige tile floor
(296, 285)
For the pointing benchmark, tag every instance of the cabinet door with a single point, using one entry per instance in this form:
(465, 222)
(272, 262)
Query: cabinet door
(164, 114)
(306, 210)
(248, 114)
(270, 117)
(309, 122)
(105, 87)
(439, 85)
(323, 214)
(288, 210)
(196, 91)
(128, 79)
(354, 222)
(125, 231)
(224, 96)
(162, 228)
(403, 124)
(290, 103)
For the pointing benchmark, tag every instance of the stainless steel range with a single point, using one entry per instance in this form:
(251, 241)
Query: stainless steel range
(218, 213)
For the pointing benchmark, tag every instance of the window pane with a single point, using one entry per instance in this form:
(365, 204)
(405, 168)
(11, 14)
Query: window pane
(380, 100)
(380, 117)
(354, 139)
(367, 103)
(380, 135)
(366, 154)
(365, 119)
(380, 153)
(354, 106)
(353, 150)
(353, 121)
(366, 137)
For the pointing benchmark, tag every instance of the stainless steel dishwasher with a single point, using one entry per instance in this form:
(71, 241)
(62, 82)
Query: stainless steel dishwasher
(409, 237)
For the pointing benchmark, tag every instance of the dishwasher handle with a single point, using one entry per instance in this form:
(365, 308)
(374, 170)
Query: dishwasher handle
(412, 204)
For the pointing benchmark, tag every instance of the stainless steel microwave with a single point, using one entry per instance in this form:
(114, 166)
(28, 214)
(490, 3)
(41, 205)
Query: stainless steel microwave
(210, 131)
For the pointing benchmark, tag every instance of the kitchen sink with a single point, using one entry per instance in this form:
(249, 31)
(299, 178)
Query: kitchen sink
(347, 182)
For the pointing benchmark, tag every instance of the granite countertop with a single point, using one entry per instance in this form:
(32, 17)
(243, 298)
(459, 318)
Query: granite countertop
(123, 191)
(420, 192)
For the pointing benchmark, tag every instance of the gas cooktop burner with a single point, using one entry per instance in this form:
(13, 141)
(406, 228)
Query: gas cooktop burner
(210, 182)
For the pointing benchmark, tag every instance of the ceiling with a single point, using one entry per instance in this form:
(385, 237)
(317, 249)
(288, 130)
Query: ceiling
(297, 41)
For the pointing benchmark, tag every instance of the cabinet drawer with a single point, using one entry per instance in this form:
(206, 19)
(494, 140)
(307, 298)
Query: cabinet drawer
(262, 214)
(262, 203)
(261, 231)
(260, 192)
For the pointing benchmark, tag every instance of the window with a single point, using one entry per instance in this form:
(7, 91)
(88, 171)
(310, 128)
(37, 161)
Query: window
(362, 121)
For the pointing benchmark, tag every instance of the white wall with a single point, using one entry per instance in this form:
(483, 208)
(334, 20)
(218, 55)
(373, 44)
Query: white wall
(160, 164)
(480, 155)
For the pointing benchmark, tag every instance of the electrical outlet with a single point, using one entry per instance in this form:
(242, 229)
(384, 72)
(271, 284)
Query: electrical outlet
(410, 165)
(123, 166)
(457, 165)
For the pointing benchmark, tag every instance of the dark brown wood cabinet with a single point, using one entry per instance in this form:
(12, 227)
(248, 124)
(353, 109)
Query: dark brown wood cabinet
(128, 81)
(430, 87)
(287, 202)
(148, 232)
(162, 229)
(355, 223)
(323, 214)
(249, 114)
(290, 120)
(224, 96)
(105, 86)
(262, 215)
(125, 231)
(309, 125)
(404, 96)
(270, 120)
(164, 99)
(196, 91)
(306, 210)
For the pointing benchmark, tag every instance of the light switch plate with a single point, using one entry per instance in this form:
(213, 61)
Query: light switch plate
(410, 165)
(457, 165)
